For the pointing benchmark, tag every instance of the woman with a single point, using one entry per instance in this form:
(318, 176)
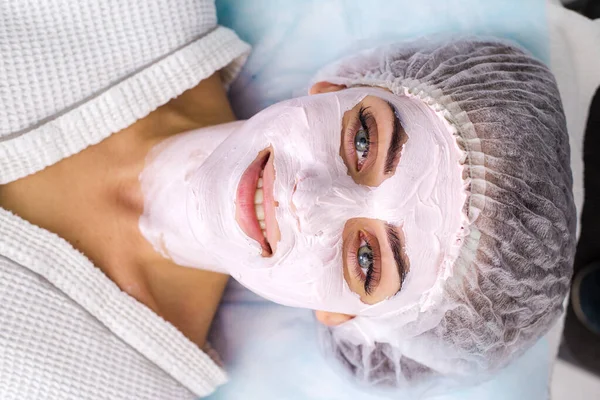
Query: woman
(424, 189)
(423, 278)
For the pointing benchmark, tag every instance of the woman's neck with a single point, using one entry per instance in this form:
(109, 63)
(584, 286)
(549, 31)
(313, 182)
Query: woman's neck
(93, 200)
(171, 221)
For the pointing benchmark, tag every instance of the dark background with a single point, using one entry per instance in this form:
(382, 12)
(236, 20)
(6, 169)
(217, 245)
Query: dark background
(580, 346)
(589, 8)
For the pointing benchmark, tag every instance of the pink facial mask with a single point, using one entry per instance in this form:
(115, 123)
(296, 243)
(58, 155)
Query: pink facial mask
(190, 184)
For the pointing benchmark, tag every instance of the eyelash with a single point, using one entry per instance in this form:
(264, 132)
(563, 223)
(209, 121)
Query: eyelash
(373, 275)
(365, 121)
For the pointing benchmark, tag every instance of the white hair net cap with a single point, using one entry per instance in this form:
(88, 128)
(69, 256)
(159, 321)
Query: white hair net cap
(506, 288)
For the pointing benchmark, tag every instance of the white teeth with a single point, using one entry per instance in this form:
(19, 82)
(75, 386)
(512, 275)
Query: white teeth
(258, 196)
(258, 205)
(260, 211)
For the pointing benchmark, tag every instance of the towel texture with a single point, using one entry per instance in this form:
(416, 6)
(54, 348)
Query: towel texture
(71, 74)
(74, 72)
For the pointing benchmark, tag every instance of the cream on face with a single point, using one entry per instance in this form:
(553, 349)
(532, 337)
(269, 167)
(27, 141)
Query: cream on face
(191, 187)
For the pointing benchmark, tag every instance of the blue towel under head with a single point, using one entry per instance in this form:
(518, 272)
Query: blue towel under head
(293, 39)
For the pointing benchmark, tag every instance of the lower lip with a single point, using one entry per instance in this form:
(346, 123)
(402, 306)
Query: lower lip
(245, 211)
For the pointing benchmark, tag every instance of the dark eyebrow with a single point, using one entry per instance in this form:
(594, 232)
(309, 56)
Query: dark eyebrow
(396, 246)
(398, 134)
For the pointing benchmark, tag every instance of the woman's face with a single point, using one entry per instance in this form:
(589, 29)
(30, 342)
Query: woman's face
(346, 201)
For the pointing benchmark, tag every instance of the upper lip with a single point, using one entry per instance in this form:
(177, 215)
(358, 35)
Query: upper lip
(245, 210)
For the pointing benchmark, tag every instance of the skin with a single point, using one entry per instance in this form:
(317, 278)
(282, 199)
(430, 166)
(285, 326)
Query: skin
(370, 174)
(93, 200)
(371, 168)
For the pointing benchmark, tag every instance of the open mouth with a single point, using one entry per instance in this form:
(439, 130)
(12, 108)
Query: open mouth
(255, 207)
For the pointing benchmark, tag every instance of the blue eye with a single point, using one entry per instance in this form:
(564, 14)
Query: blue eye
(362, 140)
(365, 257)
(365, 260)
(361, 144)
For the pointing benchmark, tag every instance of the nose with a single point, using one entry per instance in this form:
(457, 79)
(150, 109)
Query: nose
(293, 208)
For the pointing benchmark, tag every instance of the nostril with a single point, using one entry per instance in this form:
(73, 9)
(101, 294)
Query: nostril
(293, 208)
